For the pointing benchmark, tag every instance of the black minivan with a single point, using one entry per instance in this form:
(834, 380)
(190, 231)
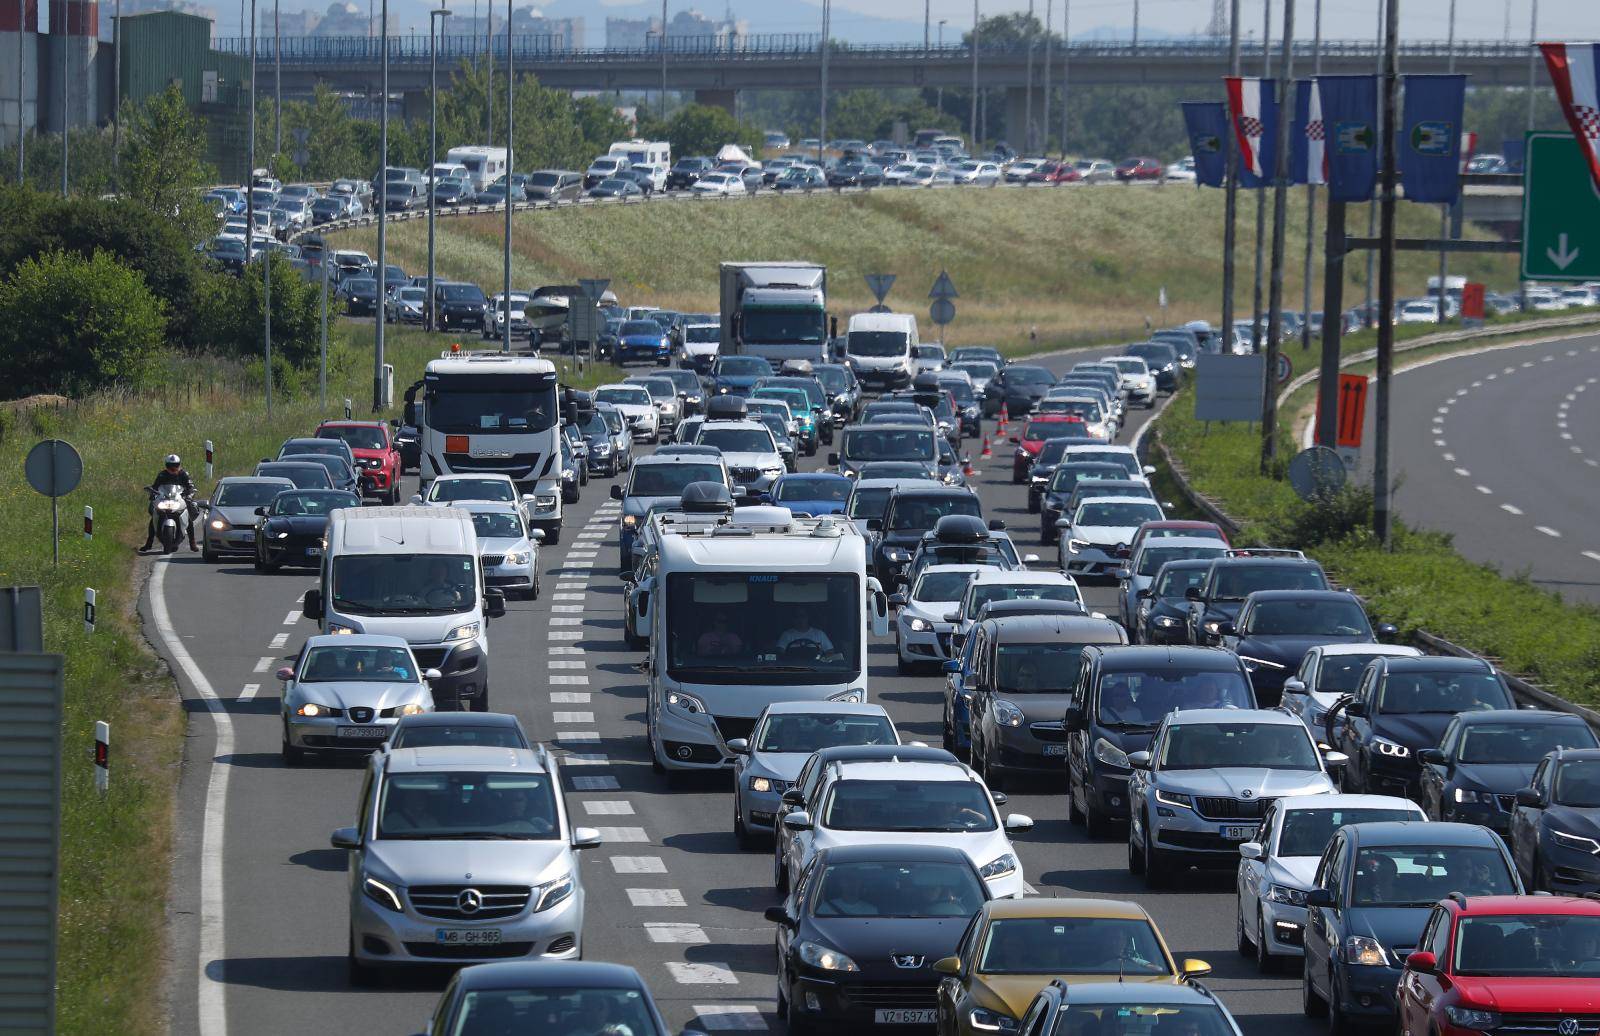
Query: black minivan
(1121, 696)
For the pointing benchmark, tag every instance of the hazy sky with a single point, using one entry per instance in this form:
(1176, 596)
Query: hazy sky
(1341, 19)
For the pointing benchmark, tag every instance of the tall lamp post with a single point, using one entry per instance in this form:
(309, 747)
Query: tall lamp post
(383, 204)
(511, 163)
(939, 102)
(972, 126)
(822, 109)
(435, 30)
(663, 60)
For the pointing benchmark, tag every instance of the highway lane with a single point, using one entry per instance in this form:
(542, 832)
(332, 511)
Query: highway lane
(1502, 450)
(668, 893)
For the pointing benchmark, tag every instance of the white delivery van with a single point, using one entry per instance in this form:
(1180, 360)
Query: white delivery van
(412, 572)
(881, 348)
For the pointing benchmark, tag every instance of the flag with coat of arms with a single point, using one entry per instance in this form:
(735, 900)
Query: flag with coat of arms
(1253, 110)
(1575, 70)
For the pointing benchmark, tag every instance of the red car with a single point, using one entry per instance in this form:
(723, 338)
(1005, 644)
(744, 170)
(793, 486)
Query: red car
(377, 457)
(1139, 169)
(1524, 964)
(1034, 435)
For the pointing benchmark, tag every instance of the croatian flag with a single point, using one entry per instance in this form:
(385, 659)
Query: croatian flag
(1245, 95)
(1573, 68)
(1469, 148)
(1310, 145)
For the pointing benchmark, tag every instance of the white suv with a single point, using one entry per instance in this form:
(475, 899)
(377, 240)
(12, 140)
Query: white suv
(427, 813)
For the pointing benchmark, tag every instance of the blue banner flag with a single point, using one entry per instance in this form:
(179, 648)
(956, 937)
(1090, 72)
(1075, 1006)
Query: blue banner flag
(1428, 145)
(1350, 114)
(1207, 123)
(1513, 151)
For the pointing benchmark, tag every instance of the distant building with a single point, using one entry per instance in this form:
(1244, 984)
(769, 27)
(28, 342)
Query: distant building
(564, 33)
(164, 47)
(691, 23)
(348, 19)
(631, 33)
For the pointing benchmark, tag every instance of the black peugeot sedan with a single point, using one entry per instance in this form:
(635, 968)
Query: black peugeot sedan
(1276, 628)
(289, 531)
(862, 928)
(547, 996)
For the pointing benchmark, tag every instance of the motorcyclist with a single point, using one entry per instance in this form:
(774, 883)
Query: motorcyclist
(173, 474)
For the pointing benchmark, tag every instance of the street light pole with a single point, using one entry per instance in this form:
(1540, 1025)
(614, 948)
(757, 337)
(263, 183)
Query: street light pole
(1444, 210)
(972, 126)
(66, 113)
(1066, 59)
(939, 98)
(22, 71)
(383, 205)
(1261, 190)
(1280, 212)
(511, 125)
(822, 116)
(1533, 58)
(1027, 91)
(435, 30)
(1311, 188)
(1230, 219)
(663, 60)
(1380, 460)
(277, 85)
(1044, 117)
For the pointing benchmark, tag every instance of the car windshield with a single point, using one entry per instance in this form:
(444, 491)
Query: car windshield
(1029, 376)
(1109, 514)
(941, 586)
(594, 424)
(1139, 700)
(461, 293)
(1174, 583)
(977, 370)
(465, 733)
(1203, 746)
(1156, 356)
(869, 502)
(1128, 1017)
(1039, 431)
(984, 593)
(737, 440)
(862, 444)
(744, 366)
(1578, 784)
(360, 437)
(449, 490)
(1543, 945)
(367, 663)
(1319, 617)
(832, 490)
(648, 328)
(1131, 365)
(313, 502)
(248, 494)
(468, 806)
(359, 286)
(628, 395)
(1236, 582)
(782, 628)
(489, 404)
(1084, 408)
(1072, 946)
(1068, 475)
(923, 512)
(961, 389)
(404, 584)
(883, 889)
(497, 525)
(1047, 668)
(1339, 674)
(1443, 692)
(1307, 832)
(896, 469)
(304, 476)
(1152, 558)
(877, 343)
(1404, 876)
(670, 479)
(702, 333)
(806, 732)
(1524, 743)
(909, 805)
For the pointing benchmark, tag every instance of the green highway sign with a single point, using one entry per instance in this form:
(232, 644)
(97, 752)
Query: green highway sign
(1560, 212)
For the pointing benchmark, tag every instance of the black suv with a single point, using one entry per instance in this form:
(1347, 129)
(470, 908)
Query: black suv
(685, 172)
(908, 514)
(1276, 628)
(1236, 576)
(460, 305)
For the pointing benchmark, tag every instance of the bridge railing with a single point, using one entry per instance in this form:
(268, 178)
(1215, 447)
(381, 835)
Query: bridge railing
(549, 49)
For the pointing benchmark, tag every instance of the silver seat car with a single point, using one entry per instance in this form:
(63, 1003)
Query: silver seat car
(347, 691)
(462, 855)
(510, 550)
(1207, 781)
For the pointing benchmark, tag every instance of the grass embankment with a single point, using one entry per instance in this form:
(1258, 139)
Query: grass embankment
(116, 851)
(1421, 583)
(1036, 268)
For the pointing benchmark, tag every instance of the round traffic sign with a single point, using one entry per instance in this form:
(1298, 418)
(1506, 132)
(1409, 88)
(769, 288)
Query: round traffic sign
(53, 467)
(1317, 472)
(1285, 369)
(942, 311)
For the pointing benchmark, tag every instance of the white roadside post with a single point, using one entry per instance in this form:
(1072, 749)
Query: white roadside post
(102, 756)
(88, 609)
(210, 456)
(88, 522)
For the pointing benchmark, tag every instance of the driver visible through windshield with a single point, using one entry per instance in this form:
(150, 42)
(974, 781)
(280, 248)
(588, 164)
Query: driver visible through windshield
(403, 584)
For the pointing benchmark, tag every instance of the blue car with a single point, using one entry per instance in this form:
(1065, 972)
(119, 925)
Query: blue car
(643, 340)
(814, 494)
(737, 375)
(957, 724)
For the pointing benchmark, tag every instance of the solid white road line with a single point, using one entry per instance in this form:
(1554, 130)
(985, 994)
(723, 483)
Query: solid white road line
(702, 974)
(655, 897)
(638, 865)
(211, 1006)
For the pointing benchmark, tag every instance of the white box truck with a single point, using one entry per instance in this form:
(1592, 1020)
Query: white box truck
(777, 311)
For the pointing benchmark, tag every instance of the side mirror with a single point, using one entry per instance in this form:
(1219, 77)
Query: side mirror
(431, 675)
(1149, 469)
(948, 965)
(1073, 719)
(1030, 559)
(874, 524)
(345, 838)
(996, 524)
(1121, 573)
(793, 797)
(1226, 629)
(1319, 898)
(494, 604)
(799, 820)
(1139, 761)
(1333, 760)
(1168, 506)
(1250, 850)
(739, 746)
(833, 460)
(1019, 822)
(1193, 967)
(261, 512)
(616, 492)
(1145, 594)
(1530, 797)
(285, 672)
(777, 915)
(951, 665)
(1014, 439)
(1356, 708)
(897, 600)
(1063, 523)
(1000, 797)
(311, 607)
(1423, 961)
(740, 492)
(952, 616)
(585, 838)
(416, 499)
(536, 535)
(1386, 630)
(1192, 594)
(1431, 755)
(1294, 685)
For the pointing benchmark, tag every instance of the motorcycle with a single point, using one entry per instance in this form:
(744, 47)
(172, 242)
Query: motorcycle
(169, 512)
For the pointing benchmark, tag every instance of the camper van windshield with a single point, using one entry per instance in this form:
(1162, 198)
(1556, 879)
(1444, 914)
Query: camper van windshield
(763, 627)
(779, 325)
(403, 584)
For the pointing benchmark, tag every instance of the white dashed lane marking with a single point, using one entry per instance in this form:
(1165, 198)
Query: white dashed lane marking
(735, 1017)
(249, 691)
(1483, 489)
(566, 634)
(291, 618)
(1463, 472)
(623, 834)
(1547, 531)
(578, 737)
(702, 974)
(1592, 555)
(638, 865)
(557, 680)
(281, 640)
(573, 717)
(262, 664)
(569, 697)
(586, 759)
(655, 897)
(595, 783)
(565, 663)
(609, 808)
(675, 931)
(1510, 509)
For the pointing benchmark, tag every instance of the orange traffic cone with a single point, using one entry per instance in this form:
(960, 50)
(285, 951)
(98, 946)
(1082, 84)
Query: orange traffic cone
(966, 467)
(1003, 418)
(986, 452)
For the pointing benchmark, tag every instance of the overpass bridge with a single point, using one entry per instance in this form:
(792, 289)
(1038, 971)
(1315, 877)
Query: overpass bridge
(715, 73)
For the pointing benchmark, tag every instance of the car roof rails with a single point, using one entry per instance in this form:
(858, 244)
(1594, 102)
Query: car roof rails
(1264, 552)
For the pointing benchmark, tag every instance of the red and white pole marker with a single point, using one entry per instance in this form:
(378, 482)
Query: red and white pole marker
(210, 457)
(102, 756)
(88, 522)
(89, 609)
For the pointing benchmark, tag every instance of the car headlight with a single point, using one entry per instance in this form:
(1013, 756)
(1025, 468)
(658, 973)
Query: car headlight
(1472, 1017)
(465, 631)
(1286, 894)
(281, 534)
(685, 703)
(1166, 621)
(1359, 949)
(334, 627)
(1474, 798)
(1174, 798)
(630, 522)
(991, 1021)
(857, 695)
(312, 709)
(382, 893)
(1392, 749)
(1578, 842)
(518, 557)
(919, 625)
(823, 957)
(1110, 754)
(600, 449)
(1213, 626)
(773, 472)
(998, 867)
(552, 892)
(412, 709)
(219, 523)
(899, 557)
(972, 412)
(1253, 663)
(1075, 545)
(1006, 713)
(761, 784)
(545, 502)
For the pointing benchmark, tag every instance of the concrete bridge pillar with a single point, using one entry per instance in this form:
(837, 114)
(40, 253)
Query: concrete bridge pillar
(1016, 127)
(727, 100)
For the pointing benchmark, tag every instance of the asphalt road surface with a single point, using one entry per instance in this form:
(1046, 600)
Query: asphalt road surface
(260, 916)
(1502, 449)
